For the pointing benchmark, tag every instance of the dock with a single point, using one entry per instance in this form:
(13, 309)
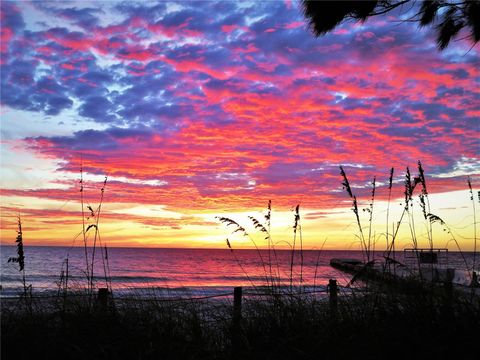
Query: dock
(396, 274)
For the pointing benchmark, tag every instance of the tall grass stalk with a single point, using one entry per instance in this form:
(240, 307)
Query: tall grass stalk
(317, 263)
(436, 219)
(241, 229)
(370, 219)
(65, 290)
(271, 249)
(84, 232)
(390, 181)
(97, 218)
(346, 186)
(229, 245)
(474, 223)
(425, 202)
(20, 258)
(63, 284)
(261, 228)
(268, 217)
(106, 266)
(409, 189)
(300, 233)
(295, 228)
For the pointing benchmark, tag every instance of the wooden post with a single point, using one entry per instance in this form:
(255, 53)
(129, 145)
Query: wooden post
(237, 306)
(102, 299)
(236, 323)
(333, 298)
(449, 290)
(474, 283)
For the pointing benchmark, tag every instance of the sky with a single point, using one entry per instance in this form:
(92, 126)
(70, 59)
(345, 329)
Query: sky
(201, 109)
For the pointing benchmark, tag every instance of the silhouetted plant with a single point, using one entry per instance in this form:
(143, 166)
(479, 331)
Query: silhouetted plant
(241, 229)
(390, 185)
(436, 219)
(296, 228)
(474, 222)
(273, 278)
(448, 18)
(20, 260)
(97, 234)
(346, 186)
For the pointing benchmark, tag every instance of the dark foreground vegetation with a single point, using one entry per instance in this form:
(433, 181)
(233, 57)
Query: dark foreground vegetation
(418, 323)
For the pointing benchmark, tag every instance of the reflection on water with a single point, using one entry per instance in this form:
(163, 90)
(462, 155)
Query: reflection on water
(196, 271)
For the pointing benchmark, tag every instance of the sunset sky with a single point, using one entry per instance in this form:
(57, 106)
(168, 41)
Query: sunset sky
(202, 109)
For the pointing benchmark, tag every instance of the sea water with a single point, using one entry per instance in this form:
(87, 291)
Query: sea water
(176, 272)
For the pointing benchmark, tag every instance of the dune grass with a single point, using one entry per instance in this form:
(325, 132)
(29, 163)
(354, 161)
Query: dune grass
(420, 322)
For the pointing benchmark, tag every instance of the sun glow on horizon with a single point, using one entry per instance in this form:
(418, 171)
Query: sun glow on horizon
(130, 225)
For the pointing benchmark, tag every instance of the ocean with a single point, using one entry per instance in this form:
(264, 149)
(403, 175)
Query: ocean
(176, 272)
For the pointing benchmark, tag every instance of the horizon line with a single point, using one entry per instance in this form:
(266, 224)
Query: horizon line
(226, 249)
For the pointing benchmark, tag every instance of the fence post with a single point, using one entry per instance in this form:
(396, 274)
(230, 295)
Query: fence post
(102, 299)
(474, 279)
(333, 297)
(237, 306)
(236, 322)
(449, 290)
